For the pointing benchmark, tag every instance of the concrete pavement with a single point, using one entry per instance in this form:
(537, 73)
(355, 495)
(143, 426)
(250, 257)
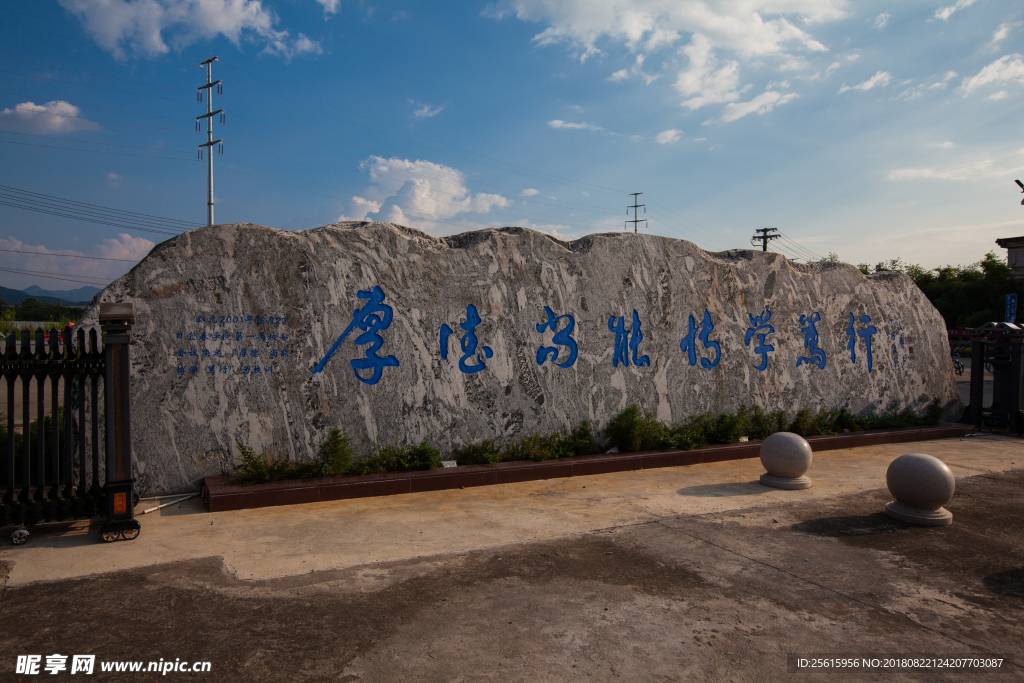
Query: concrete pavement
(288, 540)
(681, 574)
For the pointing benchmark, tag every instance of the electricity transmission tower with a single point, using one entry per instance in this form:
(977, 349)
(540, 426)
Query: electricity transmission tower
(210, 142)
(636, 196)
(764, 236)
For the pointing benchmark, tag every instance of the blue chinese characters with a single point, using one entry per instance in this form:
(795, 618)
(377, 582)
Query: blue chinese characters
(372, 319)
(561, 337)
(688, 345)
(817, 356)
(864, 334)
(635, 337)
(468, 343)
(757, 324)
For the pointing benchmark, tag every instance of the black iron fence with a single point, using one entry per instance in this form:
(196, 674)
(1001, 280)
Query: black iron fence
(50, 466)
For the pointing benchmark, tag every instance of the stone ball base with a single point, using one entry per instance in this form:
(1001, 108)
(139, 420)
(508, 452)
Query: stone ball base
(789, 483)
(919, 516)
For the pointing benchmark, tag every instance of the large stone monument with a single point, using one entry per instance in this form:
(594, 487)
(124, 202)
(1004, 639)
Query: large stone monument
(270, 337)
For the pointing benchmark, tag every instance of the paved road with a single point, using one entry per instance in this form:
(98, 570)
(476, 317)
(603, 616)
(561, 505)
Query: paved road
(691, 573)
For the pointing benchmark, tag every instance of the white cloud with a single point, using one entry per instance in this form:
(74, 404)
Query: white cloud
(650, 24)
(186, 22)
(558, 123)
(529, 192)
(848, 59)
(1006, 69)
(330, 6)
(881, 20)
(114, 180)
(699, 139)
(941, 85)
(725, 36)
(998, 95)
(418, 194)
(124, 246)
(1001, 33)
(977, 169)
(879, 80)
(945, 13)
(425, 111)
(667, 137)
(56, 116)
(707, 84)
(760, 105)
(946, 145)
(635, 71)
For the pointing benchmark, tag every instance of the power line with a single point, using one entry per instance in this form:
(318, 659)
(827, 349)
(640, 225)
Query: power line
(92, 106)
(90, 142)
(130, 214)
(92, 258)
(94, 87)
(812, 255)
(57, 276)
(84, 118)
(97, 152)
(86, 73)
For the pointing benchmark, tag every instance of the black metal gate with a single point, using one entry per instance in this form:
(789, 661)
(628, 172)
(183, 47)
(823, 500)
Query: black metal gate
(50, 469)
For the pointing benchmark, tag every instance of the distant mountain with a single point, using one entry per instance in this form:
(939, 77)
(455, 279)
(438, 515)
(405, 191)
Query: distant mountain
(16, 296)
(80, 294)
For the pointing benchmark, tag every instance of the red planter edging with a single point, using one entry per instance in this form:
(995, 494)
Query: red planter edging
(221, 495)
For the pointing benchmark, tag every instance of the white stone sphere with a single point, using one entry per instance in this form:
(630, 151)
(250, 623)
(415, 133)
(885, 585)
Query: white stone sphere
(786, 455)
(920, 481)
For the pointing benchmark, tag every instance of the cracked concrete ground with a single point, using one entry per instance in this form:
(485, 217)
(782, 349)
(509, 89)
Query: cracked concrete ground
(701, 581)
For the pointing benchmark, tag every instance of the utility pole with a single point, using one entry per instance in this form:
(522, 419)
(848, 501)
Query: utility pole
(764, 236)
(210, 142)
(636, 196)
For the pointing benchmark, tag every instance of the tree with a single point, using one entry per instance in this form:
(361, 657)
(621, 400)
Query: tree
(965, 296)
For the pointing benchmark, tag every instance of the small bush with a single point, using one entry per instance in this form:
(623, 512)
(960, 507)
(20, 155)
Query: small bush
(483, 453)
(254, 468)
(335, 453)
(634, 430)
(411, 458)
(805, 423)
(581, 440)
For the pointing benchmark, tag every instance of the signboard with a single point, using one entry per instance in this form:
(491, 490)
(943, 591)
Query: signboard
(1011, 308)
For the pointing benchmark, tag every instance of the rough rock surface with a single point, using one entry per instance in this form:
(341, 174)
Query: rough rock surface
(289, 296)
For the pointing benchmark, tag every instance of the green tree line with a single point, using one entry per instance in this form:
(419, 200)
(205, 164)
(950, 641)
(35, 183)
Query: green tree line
(34, 309)
(965, 296)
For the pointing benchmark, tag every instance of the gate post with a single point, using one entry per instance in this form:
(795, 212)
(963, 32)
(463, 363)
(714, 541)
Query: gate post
(116, 320)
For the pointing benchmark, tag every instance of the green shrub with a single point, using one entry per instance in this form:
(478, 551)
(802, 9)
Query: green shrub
(689, 435)
(483, 453)
(254, 468)
(411, 458)
(581, 440)
(335, 453)
(634, 430)
(729, 427)
(805, 423)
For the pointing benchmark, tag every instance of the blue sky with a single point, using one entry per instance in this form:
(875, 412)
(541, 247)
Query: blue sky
(873, 130)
